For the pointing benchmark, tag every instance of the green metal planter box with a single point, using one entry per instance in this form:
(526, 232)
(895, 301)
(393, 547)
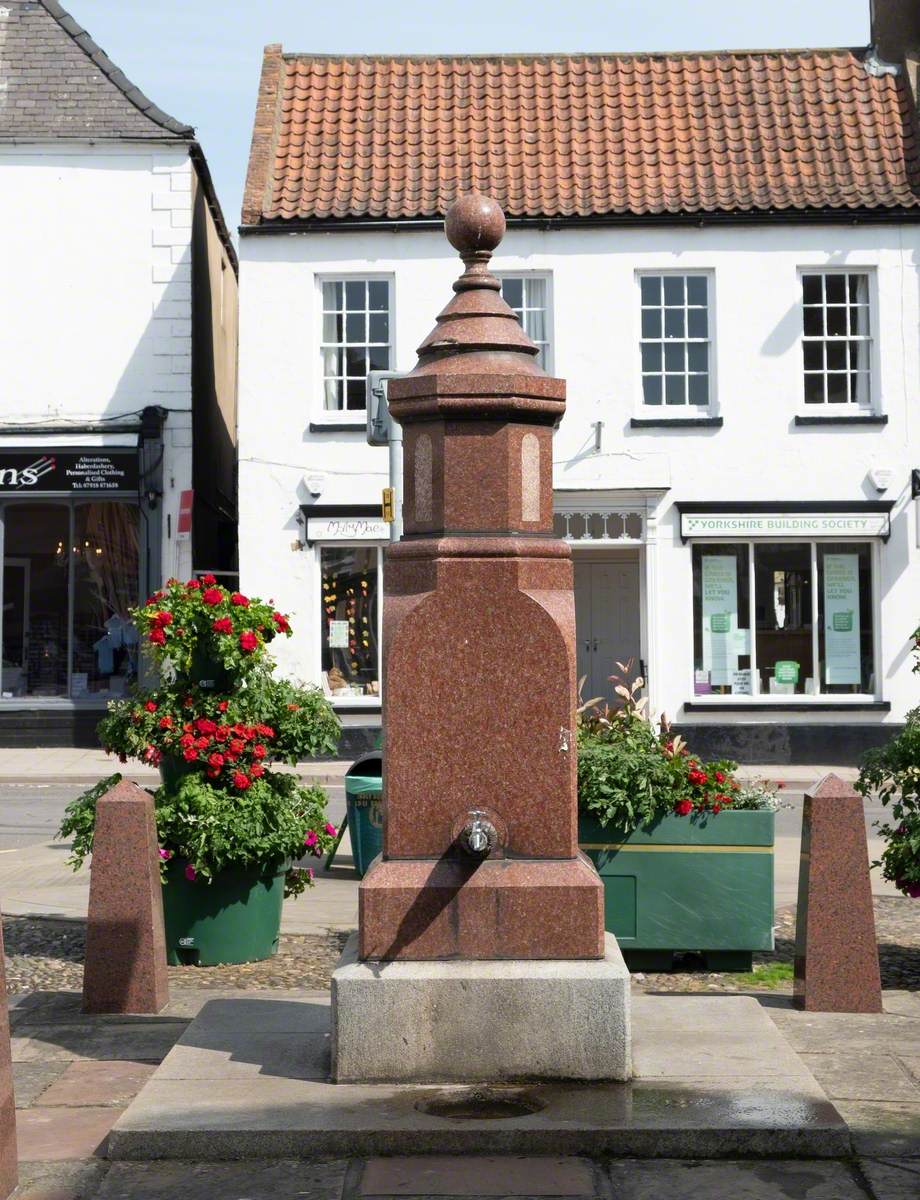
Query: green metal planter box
(701, 883)
(234, 919)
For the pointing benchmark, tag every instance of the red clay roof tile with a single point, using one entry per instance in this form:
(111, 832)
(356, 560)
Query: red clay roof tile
(580, 135)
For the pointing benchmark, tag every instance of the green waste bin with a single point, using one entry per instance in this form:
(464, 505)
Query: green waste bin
(364, 808)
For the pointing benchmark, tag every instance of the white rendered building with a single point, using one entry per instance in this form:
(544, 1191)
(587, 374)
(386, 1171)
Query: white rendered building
(117, 371)
(721, 255)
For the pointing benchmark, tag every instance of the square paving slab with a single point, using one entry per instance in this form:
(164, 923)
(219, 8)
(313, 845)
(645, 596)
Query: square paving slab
(714, 1079)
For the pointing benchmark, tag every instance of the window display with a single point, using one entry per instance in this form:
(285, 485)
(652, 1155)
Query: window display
(812, 619)
(348, 621)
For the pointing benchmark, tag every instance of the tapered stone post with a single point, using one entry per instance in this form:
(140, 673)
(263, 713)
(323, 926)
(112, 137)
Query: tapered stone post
(8, 1172)
(836, 953)
(480, 854)
(125, 968)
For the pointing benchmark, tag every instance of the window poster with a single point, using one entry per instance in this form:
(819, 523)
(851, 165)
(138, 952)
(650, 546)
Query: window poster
(841, 619)
(720, 617)
(338, 635)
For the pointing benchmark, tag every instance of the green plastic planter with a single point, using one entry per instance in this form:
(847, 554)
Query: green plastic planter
(234, 919)
(687, 884)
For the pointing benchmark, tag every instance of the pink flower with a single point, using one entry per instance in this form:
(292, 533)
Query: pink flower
(166, 855)
(310, 872)
(190, 873)
(331, 829)
(311, 839)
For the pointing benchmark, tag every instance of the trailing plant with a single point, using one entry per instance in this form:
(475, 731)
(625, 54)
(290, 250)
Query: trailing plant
(631, 774)
(209, 829)
(892, 774)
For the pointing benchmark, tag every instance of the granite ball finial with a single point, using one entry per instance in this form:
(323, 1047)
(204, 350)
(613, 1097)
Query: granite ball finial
(474, 223)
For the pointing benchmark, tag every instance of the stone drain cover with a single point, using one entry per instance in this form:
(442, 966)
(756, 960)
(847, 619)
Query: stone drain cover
(483, 1104)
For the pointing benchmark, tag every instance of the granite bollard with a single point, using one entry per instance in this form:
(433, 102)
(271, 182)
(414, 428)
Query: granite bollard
(836, 953)
(125, 967)
(8, 1171)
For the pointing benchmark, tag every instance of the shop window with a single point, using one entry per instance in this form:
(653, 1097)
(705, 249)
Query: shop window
(845, 629)
(70, 577)
(105, 575)
(836, 341)
(349, 630)
(782, 591)
(675, 342)
(721, 621)
(526, 295)
(356, 339)
(812, 612)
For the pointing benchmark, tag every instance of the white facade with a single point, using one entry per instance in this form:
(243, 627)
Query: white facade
(96, 307)
(745, 447)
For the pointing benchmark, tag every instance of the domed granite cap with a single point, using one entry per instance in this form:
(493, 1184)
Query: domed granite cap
(478, 358)
(474, 222)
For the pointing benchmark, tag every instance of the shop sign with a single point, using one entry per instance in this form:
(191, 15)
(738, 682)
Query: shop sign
(744, 525)
(347, 529)
(27, 472)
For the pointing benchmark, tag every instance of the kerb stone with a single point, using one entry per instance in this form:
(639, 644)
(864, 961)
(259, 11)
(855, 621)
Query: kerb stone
(8, 1171)
(471, 1021)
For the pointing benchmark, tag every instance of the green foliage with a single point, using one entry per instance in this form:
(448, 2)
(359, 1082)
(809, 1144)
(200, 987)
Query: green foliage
(275, 821)
(892, 774)
(766, 975)
(630, 774)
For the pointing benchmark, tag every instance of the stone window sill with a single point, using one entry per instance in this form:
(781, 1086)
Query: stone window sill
(828, 419)
(676, 423)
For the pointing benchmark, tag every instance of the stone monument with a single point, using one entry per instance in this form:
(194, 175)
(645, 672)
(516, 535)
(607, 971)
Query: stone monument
(481, 951)
(125, 965)
(836, 952)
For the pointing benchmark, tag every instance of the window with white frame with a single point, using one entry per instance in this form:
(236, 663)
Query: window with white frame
(355, 339)
(527, 296)
(783, 619)
(675, 341)
(837, 340)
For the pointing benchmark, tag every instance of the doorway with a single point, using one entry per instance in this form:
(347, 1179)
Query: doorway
(607, 621)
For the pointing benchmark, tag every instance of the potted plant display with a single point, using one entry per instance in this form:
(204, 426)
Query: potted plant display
(684, 848)
(231, 826)
(892, 775)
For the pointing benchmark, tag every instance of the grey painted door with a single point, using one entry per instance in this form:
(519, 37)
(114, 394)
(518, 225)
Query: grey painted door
(606, 622)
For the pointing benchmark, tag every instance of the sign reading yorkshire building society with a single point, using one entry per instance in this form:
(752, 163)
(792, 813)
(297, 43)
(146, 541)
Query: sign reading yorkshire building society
(867, 524)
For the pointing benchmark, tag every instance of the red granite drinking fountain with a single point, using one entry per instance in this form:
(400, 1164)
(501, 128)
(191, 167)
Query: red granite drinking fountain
(481, 923)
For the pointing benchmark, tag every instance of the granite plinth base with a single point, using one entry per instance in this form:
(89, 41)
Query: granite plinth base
(498, 1021)
(425, 909)
(8, 1168)
(125, 965)
(836, 952)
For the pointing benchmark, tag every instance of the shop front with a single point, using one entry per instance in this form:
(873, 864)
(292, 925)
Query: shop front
(73, 545)
(787, 614)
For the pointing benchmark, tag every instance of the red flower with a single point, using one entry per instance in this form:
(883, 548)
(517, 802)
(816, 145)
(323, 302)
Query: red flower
(190, 753)
(698, 777)
(222, 733)
(187, 739)
(236, 746)
(222, 706)
(151, 706)
(205, 725)
(171, 581)
(166, 722)
(211, 596)
(256, 770)
(222, 625)
(157, 636)
(258, 750)
(213, 772)
(208, 580)
(683, 807)
(239, 600)
(240, 780)
(193, 585)
(188, 702)
(265, 730)
(716, 808)
(216, 759)
(163, 617)
(719, 777)
(248, 641)
(281, 622)
(203, 742)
